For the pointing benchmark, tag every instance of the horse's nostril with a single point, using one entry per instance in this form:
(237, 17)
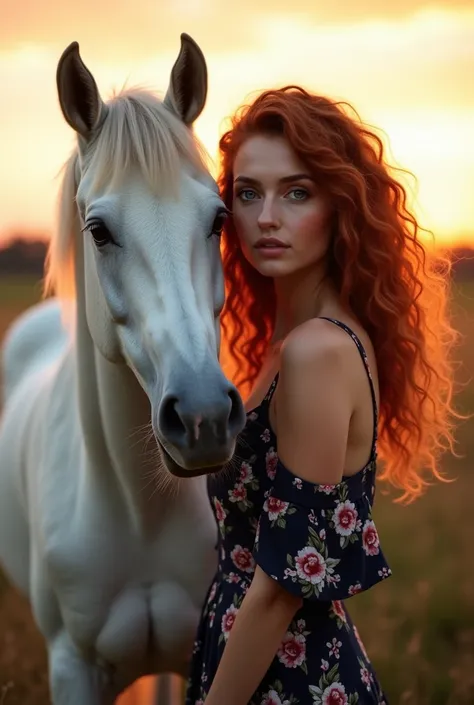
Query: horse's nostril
(170, 421)
(209, 415)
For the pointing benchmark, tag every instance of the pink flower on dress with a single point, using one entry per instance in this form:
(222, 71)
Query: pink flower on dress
(365, 677)
(310, 565)
(228, 620)
(354, 589)
(265, 435)
(370, 539)
(301, 625)
(245, 473)
(275, 507)
(243, 559)
(233, 577)
(327, 489)
(338, 610)
(334, 647)
(334, 694)
(292, 651)
(238, 493)
(271, 698)
(220, 511)
(345, 518)
(271, 461)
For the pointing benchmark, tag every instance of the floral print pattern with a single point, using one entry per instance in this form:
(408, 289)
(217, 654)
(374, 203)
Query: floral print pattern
(319, 542)
(312, 567)
(243, 559)
(276, 510)
(292, 651)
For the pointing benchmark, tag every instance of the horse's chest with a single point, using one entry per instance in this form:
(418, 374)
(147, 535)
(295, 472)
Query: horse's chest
(123, 608)
(143, 624)
(125, 632)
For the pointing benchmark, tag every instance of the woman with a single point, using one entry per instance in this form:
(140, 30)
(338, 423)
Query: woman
(336, 321)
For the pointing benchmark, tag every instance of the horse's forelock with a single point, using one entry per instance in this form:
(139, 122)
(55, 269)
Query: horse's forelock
(138, 133)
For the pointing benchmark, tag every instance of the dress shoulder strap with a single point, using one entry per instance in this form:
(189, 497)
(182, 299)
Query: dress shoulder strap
(271, 390)
(365, 361)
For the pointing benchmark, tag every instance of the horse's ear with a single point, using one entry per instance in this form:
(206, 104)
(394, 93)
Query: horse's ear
(187, 92)
(79, 97)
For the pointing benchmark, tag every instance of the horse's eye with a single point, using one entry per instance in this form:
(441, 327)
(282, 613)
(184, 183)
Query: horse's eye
(219, 222)
(100, 233)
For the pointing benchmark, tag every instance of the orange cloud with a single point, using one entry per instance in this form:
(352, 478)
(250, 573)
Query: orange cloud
(412, 76)
(110, 28)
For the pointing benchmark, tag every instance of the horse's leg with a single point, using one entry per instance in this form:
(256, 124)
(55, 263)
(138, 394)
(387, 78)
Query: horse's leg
(169, 690)
(72, 680)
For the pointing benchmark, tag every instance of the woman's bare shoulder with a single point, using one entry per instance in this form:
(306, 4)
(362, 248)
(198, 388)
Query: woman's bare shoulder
(313, 339)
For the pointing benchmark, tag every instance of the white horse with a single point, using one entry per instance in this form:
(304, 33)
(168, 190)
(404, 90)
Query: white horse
(115, 570)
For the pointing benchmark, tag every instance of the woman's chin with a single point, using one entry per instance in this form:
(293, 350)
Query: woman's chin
(273, 268)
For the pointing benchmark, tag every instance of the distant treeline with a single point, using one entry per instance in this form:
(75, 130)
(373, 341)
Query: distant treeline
(26, 257)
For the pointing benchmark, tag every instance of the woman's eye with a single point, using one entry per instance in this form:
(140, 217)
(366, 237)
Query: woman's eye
(247, 194)
(299, 194)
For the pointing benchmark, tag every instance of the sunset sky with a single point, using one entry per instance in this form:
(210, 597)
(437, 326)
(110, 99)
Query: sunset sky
(406, 65)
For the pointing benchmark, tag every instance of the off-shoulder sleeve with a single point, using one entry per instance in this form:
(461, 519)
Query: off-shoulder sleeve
(319, 541)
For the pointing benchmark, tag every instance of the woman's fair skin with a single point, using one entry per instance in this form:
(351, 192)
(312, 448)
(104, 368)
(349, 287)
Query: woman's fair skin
(270, 202)
(275, 195)
(321, 411)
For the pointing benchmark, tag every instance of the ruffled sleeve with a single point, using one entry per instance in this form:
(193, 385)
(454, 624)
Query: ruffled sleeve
(319, 541)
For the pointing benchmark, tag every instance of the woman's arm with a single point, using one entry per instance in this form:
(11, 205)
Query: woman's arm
(260, 625)
(315, 399)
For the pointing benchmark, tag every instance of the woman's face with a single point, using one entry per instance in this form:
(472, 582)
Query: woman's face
(281, 218)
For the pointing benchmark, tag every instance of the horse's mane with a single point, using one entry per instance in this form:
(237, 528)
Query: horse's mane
(138, 132)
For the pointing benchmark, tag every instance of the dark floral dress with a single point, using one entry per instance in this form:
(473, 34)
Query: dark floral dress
(319, 542)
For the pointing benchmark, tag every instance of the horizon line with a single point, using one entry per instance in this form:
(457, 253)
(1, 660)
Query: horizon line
(459, 239)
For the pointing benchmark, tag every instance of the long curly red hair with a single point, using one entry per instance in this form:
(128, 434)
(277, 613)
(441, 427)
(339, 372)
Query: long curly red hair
(392, 283)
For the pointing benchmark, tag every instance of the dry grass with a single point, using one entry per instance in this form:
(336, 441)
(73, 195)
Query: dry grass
(418, 626)
(23, 668)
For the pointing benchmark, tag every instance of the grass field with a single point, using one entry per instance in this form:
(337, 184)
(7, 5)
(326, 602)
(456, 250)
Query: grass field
(418, 626)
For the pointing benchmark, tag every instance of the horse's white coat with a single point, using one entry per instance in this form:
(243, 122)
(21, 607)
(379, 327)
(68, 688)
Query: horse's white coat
(115, 564)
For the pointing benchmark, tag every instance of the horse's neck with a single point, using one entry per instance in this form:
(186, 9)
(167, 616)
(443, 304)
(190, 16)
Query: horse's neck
(115, 419)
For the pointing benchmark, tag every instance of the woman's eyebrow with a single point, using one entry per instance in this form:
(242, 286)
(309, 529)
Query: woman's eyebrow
(283, 180)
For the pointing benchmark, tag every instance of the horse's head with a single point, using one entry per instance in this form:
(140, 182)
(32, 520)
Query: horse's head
(151, 217)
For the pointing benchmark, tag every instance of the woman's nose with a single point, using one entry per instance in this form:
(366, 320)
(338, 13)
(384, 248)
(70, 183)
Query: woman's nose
(268, 217)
